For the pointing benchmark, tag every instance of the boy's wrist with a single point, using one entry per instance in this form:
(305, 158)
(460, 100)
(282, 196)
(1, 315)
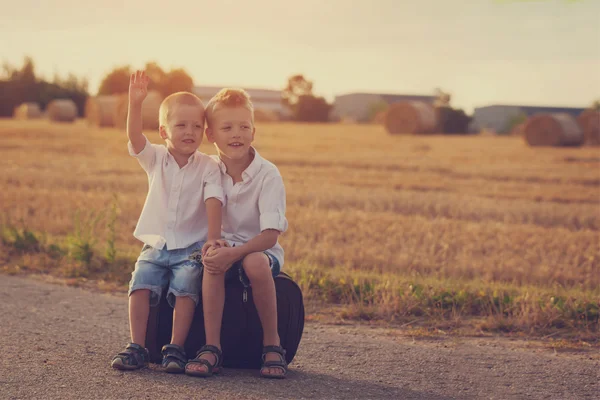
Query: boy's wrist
(238, 252)
(135, 105)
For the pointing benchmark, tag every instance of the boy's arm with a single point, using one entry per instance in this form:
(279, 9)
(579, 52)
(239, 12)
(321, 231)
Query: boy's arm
(213, 198)
(213, 211)
(271, 206)
(263, 241)
(138, 89)
(222, 259)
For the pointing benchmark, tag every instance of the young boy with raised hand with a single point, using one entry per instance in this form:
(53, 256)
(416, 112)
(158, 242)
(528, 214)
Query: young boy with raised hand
(182, 213)
(253, 219)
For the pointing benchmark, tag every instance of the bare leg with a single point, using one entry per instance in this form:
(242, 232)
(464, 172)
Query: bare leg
(256, 266)
(183, 315)
(139, 308)
(213, 299)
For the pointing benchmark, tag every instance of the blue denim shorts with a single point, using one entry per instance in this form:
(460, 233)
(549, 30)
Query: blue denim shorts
(236, 271)
(158, 269)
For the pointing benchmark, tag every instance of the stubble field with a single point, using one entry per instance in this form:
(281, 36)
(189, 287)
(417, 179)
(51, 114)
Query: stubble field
(408, 228)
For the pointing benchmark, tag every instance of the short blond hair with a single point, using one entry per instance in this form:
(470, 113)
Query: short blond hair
(167, 104)
(229, 97)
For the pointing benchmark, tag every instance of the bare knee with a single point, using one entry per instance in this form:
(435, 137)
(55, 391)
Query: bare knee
(256, 266)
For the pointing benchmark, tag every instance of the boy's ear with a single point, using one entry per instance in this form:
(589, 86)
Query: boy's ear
(253, 132)
(210, 135)
(162, 132)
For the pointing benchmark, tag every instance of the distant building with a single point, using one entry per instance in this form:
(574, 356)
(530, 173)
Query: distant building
(499, 118)
(359, 106)
(263, 99)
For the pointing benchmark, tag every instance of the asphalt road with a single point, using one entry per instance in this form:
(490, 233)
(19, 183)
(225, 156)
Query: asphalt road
(57, 343)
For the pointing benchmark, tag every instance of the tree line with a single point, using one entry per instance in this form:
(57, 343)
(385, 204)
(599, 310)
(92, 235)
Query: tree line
(21, 85)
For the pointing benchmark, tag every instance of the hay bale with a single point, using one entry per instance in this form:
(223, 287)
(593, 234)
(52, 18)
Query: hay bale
(518, 129)
(27, 111)
(552, 130)
(379, 118)
(100, 110)
(150, 108)
(61, 110)
(589, 121)
(410, 117)
(264, 115)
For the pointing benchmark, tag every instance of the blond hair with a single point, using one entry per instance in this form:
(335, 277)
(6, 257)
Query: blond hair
(167, 104)
(229, 97)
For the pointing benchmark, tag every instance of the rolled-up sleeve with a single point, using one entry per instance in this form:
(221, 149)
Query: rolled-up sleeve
(271, 204)
(146, 157)
(212, 181)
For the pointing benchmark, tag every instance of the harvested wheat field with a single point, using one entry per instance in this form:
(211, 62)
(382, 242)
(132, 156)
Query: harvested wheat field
(485, 231)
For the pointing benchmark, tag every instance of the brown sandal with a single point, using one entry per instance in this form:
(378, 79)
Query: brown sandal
(281, 364)
(210, 368)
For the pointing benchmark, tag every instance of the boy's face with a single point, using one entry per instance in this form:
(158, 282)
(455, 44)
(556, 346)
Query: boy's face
(184, 129)
(232, 131)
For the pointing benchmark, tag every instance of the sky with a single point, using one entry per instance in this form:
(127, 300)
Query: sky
(536, 52)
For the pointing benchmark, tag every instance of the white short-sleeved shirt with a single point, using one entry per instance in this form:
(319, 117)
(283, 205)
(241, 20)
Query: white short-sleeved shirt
(174, 213)
(255, 204)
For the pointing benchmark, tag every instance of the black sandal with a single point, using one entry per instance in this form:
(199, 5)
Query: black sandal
(281, 364)
(133, 357)
(174, 358)
(210, 368)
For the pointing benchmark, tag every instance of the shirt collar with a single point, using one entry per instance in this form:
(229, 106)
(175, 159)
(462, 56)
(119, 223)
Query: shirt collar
(254, 166)
(252, 169)
(171, 158)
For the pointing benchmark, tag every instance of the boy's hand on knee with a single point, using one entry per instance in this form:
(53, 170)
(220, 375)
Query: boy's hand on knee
(219, 260)
(213, 245)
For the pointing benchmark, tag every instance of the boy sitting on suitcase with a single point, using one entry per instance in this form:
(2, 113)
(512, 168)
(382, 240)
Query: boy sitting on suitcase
(253, 218)
(182, 210)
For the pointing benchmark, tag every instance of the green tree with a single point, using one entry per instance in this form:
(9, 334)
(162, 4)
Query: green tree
(312, 109)
(513, 122)
(177, 80)
(297, 86)
(376, 108)
(305, 106)
(117, 81)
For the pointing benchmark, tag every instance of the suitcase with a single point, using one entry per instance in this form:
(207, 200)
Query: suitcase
(241, 331)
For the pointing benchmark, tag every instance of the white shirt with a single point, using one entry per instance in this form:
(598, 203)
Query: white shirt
(174, 213)
(255, 204)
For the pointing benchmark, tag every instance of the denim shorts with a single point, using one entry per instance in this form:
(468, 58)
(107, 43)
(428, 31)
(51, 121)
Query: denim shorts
(158, 269)
(236, 271)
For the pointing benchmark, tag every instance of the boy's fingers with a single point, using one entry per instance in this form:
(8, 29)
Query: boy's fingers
(132, 78)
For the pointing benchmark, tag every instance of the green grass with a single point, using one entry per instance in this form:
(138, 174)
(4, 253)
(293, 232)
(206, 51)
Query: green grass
(362, 295)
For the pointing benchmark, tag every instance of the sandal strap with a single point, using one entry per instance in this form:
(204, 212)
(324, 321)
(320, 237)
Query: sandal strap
(209, 348)
(135, 347)
(203, 361)
(273, 364)
(134, 352)
(175, 351)
(273, 349)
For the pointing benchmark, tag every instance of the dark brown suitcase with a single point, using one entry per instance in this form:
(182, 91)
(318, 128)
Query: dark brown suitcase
(241, 332)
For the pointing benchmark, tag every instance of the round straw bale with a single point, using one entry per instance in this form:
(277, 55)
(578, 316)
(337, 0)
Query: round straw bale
(264, 115)
(589, 121)
(379, 118)
(27, 111)
(150, 108)
(62, 110)
(518, 129)
(552, 130)
(100, 110)
(410, 117)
